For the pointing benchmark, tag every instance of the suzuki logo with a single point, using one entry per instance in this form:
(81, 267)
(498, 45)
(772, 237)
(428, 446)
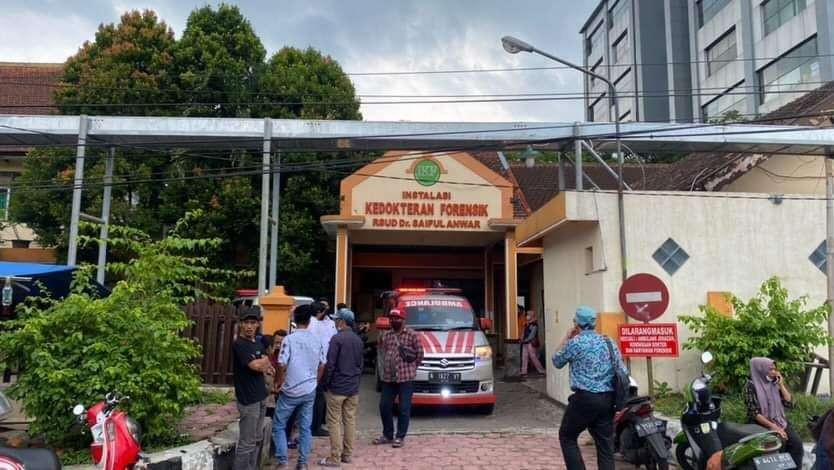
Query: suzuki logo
(444, 363)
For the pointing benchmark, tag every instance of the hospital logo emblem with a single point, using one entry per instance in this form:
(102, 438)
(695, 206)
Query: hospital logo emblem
(427, 172)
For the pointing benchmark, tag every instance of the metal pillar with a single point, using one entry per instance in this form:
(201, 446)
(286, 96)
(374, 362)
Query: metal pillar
(105, 214)
(829, 256)
(264, 206)
(276, 212)
(561, 173)
(80, 152)
(577, 164)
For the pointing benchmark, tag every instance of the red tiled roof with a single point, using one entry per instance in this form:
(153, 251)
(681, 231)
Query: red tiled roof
(26, 87)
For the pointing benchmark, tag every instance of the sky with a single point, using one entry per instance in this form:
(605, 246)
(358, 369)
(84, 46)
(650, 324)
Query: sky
(365, 36)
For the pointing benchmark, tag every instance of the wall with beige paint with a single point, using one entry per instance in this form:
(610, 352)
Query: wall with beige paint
(784, 174)
(733, 244)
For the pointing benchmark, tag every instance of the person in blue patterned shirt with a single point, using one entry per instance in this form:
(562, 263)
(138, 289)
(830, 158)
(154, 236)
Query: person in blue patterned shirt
(591, 406)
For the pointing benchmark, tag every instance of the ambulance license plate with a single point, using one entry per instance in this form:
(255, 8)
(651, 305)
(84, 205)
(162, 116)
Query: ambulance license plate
(444, 377)
(781, 461)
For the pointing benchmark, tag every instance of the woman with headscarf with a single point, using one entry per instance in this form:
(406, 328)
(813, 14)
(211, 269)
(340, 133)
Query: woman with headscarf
(767, 396)
(530, 345)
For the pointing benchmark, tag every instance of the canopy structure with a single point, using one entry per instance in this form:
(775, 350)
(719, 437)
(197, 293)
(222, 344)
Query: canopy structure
(56, 279)
(273, 135)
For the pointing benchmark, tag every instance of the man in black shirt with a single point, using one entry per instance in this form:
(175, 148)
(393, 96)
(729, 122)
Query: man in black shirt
(250, 364)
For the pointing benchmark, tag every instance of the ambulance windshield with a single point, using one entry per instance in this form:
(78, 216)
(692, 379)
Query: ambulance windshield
(440, 314)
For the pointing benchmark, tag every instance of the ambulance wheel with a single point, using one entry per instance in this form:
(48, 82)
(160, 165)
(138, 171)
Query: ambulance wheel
(486, 409)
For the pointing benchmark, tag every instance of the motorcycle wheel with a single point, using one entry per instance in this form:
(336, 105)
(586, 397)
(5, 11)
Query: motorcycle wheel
(685, 459)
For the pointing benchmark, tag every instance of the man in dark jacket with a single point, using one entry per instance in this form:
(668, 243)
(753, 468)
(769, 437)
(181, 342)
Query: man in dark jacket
(341, 385)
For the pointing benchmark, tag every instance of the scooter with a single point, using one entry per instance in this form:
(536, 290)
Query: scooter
(706, 440)
(24, 459)
(116, 437)
(639, 436)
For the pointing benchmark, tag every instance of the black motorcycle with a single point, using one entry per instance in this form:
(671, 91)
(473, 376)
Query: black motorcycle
(640, 436)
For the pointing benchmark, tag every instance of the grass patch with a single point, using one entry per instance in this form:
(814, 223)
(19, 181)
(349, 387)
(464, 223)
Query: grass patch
(733, 409)
(215, 396)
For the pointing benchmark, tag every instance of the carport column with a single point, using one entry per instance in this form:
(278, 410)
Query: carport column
(511, 283)
(341, 264)
(265, 170)
(105, 214)
(489, 284)
(80, 152)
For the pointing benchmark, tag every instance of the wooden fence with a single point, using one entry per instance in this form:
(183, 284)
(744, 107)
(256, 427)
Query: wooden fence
(214, 327)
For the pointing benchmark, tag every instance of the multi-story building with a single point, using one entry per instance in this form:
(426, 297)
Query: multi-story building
(720, 56)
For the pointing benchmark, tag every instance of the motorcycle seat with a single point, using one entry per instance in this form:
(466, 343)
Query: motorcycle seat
(731, 433)
(636, 400)
(44, 459)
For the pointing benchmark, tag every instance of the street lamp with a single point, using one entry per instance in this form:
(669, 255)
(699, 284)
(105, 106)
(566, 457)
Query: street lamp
(514, 46)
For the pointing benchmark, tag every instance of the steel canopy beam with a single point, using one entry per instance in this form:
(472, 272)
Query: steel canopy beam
(168, 132)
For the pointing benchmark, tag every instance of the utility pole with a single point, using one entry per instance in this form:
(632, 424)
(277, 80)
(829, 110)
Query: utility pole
(829, 257)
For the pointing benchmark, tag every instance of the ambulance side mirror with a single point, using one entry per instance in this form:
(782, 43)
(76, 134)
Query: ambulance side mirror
(486, 323)
(383, 323)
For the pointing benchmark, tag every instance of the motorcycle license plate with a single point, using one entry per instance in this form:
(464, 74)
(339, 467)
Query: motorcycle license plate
(781, 461)
(646, 428)
(444, 377)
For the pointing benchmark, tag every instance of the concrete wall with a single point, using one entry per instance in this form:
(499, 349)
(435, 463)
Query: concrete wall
(734, 245)
(784, 174)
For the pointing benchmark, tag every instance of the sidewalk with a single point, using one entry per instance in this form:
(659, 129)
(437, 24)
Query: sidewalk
(456, 452)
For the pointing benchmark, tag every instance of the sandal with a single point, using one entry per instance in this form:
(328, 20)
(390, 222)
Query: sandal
(381, 440)
(397, 443)
(326, 462)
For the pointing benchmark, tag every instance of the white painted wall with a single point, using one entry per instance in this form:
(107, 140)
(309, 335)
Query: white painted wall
(734, 245)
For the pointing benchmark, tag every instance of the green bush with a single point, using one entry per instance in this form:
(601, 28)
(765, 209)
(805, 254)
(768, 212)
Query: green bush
(80, 348)
(768, 325)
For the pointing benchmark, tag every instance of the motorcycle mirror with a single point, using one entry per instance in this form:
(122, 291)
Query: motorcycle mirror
(78, 410)
(706, 357)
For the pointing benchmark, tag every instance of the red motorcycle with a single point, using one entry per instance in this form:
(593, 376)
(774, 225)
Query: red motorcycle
(116, 436)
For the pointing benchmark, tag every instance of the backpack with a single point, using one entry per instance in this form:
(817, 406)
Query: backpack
(621, 379)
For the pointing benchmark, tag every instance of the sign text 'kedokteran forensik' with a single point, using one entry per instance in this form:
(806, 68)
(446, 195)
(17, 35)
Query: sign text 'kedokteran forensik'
(426, 210)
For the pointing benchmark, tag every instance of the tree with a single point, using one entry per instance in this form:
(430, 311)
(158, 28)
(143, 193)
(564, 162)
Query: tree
(128, 63)
(218, 60)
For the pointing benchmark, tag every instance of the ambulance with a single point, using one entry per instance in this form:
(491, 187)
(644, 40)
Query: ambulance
(457, 367)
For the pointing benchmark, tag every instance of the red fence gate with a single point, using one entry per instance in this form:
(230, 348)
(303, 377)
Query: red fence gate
(213, 328)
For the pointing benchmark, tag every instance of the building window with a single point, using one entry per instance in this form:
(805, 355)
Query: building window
(599, 110)
(620, 50)
(4, 203)
(801, 65)
(733, 99)
(775, 13)
(670, 256)
(722, 52)
(595, 69)
(625, 93)
(709, 8)
(818, 257)
(595, 40)
(619, 15)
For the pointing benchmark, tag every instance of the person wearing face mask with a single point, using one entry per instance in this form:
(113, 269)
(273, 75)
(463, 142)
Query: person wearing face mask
(402, 352)
(766, 397)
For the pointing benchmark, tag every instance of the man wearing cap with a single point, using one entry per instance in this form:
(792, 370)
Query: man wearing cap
(402, 352)
(341, 385)
(250, 364)
(591, 406)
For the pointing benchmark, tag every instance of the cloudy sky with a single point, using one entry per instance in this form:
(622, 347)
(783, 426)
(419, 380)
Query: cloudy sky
(364, 36)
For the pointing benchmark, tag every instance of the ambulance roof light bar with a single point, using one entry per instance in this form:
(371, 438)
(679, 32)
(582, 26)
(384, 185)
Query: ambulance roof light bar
(425, 290)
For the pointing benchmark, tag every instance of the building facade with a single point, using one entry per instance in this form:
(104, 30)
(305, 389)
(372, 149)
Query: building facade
(744, 57)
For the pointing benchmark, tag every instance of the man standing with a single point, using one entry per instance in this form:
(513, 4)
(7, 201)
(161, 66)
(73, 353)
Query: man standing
(401, 354)
(591, 406)
(341, 384)
(301, 366)
(250, 364)
(323, 328)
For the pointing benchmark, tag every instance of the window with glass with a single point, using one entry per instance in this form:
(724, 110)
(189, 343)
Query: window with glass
(619, 15)
(620, 50)
(599, 110)
(595, 40)
(707, 9)
(4, 203)
(722, 52)
(733, 99)
(800, 65)
(775, 13)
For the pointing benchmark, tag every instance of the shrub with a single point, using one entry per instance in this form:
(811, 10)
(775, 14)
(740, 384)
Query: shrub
(77, 349)
(768, 325)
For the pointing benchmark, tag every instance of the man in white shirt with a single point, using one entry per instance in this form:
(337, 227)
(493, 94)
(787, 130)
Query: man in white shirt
(323, 328)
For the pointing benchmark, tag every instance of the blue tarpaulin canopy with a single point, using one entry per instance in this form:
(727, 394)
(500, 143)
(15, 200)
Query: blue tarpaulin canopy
(55, 278)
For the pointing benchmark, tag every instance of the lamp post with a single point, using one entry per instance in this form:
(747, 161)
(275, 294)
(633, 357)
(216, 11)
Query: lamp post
(514, 46)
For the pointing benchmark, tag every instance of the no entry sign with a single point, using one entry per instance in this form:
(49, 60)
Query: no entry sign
(644, 297)
(649, 340)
